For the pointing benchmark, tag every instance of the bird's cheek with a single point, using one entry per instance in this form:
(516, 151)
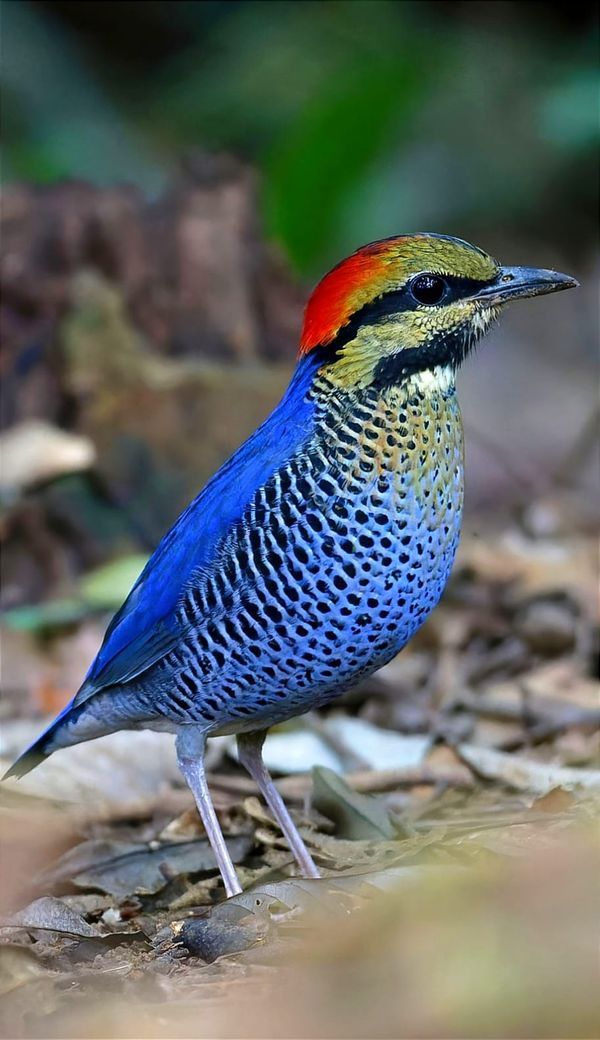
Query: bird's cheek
(354, 366)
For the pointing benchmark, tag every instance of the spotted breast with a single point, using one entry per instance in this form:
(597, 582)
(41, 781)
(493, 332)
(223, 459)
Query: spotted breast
(335, 563)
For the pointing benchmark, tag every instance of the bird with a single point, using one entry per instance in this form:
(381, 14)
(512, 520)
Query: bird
(320, 547)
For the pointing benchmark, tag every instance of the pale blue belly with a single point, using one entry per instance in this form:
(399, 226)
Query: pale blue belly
(327, 593)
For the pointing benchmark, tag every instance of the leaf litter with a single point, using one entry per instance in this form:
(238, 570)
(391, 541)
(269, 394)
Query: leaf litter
(122, 868)
(472, 756)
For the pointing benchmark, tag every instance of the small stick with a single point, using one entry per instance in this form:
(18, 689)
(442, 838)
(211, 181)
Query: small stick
(365, 781)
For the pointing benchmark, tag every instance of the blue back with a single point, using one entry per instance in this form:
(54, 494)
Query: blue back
(147, 627)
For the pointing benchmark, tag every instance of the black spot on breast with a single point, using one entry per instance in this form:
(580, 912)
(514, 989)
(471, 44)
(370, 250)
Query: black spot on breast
(188, 682)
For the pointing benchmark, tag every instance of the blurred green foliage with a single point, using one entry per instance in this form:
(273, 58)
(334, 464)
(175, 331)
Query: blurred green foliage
(98, 591)
(366, 117)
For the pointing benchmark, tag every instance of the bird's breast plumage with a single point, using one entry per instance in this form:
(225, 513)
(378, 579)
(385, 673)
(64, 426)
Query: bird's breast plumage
(337, 560)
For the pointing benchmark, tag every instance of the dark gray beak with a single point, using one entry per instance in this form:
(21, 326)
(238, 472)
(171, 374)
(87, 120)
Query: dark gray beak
(513, 283)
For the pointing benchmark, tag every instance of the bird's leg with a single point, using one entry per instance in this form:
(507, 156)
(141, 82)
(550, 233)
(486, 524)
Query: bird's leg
(250, 755)
(190, 756)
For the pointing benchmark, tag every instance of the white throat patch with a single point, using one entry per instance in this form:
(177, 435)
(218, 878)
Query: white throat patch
(440, 379)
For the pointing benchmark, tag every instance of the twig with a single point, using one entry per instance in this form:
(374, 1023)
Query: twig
(365, 781)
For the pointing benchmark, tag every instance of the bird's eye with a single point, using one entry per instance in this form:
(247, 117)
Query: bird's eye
(428, 289)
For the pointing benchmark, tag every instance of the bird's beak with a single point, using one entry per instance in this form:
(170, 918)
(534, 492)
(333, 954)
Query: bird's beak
(513, 283)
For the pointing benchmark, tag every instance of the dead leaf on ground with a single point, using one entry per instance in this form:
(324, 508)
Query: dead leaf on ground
(526, 774)
(123, 868)
(355, 815)
(120, 770)
(50, 914)
(329, 896)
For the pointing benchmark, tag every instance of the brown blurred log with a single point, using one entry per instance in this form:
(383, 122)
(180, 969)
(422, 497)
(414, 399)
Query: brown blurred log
(161, 330)
(193, 269)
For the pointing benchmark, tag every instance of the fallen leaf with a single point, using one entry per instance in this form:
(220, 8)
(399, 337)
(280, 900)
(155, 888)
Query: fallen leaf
(355, 815)
(119, 770)
(551, 687)
(525, 774)
(331, 895)
(184, 827)
(50, 914)
(343, 854)
(557, 800)
(297, 751)
(124, 868)
(377, 748)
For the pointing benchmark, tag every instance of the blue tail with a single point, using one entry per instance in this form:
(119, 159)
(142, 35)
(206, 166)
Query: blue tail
(41, 748)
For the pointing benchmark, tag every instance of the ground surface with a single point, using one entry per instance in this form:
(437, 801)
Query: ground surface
(451, 814)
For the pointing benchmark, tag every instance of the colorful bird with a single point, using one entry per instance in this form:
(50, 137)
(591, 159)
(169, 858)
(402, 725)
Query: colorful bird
(325, 541)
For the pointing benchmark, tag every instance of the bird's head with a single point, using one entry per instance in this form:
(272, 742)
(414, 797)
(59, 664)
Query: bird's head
(411, 306)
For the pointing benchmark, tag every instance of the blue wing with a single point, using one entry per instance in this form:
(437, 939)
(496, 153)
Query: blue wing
(146, 626)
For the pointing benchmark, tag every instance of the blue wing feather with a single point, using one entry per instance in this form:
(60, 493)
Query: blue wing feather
(146, 626)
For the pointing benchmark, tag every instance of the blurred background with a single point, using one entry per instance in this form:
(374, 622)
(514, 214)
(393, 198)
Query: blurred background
(362, 118)
(176, 177)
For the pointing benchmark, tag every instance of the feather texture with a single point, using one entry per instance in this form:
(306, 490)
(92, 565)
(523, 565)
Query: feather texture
(148, 625)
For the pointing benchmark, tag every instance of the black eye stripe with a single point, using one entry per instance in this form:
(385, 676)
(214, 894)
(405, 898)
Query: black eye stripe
(403, 300)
